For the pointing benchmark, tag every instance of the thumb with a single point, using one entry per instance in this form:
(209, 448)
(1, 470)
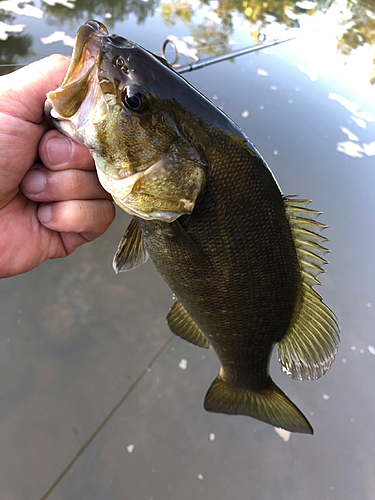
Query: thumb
(24, 91)
(22, 97)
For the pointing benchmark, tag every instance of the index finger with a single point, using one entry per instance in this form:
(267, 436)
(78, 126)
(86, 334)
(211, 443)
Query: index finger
(24, 91)
(58, 152)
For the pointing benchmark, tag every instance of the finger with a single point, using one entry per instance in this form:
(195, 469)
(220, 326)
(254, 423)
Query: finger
(18, 151)
(22, 122)
(25, 90)
(91, 217)
(71, 241)
(58, 152)
(44, 185)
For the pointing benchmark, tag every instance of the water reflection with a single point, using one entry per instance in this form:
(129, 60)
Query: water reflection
(74, 337)
(211, 23)
(212, 34)
(360, 29)
(353, 146)
(112, 10)
(13, 45)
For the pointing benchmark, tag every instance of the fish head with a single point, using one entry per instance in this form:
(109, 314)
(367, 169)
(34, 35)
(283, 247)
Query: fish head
(119, 100)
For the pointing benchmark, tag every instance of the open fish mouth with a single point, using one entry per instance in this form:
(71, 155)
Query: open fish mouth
(152, 178)
(81, 84)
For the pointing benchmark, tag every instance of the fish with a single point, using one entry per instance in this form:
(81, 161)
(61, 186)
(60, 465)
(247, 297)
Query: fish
(240, 257)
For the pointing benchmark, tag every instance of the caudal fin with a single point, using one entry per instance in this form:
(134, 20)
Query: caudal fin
(270, 405)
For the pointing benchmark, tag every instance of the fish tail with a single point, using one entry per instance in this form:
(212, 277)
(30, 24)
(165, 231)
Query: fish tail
(270, 405)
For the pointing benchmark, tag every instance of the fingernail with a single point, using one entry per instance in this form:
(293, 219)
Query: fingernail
(45, 214)
(34, 182)
(59, 150)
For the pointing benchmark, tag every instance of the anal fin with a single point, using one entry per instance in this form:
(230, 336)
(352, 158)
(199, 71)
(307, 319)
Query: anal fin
(270, 405)
(182, 325)
(131, 252)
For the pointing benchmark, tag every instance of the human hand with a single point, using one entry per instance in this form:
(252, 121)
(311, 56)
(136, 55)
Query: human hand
(51, 201)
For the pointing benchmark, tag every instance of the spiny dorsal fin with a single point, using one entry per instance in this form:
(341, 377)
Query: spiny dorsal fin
(131, 252)
(310, 344)
(181, 324)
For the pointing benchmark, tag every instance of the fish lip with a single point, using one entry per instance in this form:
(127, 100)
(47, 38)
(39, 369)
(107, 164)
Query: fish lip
(85, 57)
(91, 42)
(86, 49)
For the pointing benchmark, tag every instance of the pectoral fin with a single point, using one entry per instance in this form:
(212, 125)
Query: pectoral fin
(181, 324)
(131, 252)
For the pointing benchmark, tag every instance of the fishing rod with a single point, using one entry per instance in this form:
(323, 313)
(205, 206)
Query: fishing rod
(13, 65)
(202, 63)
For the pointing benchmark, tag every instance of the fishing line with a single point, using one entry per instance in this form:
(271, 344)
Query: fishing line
(107, 418)
(12, 65)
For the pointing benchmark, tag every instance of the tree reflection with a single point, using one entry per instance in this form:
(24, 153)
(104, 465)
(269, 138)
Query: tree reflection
(212, 33)
(14, 47)
(360, 30)
(111, 10)
(211, 24)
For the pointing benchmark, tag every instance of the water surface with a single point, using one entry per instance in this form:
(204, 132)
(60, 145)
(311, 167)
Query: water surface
(75, 337)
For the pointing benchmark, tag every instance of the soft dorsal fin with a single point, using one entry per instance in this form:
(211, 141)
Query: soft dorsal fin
(310, 344)
(131, 252)
(181, 324)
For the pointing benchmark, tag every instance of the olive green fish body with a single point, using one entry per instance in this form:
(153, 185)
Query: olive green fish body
(235, 270)
(241, 258)
(233, 266)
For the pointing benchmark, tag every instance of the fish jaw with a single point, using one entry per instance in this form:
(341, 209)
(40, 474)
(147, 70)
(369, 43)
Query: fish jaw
(79, 102)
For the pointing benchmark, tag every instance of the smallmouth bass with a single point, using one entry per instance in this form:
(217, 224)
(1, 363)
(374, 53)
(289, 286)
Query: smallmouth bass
(240, 257)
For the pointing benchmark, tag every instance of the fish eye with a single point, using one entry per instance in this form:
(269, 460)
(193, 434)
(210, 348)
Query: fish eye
(134, 101)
